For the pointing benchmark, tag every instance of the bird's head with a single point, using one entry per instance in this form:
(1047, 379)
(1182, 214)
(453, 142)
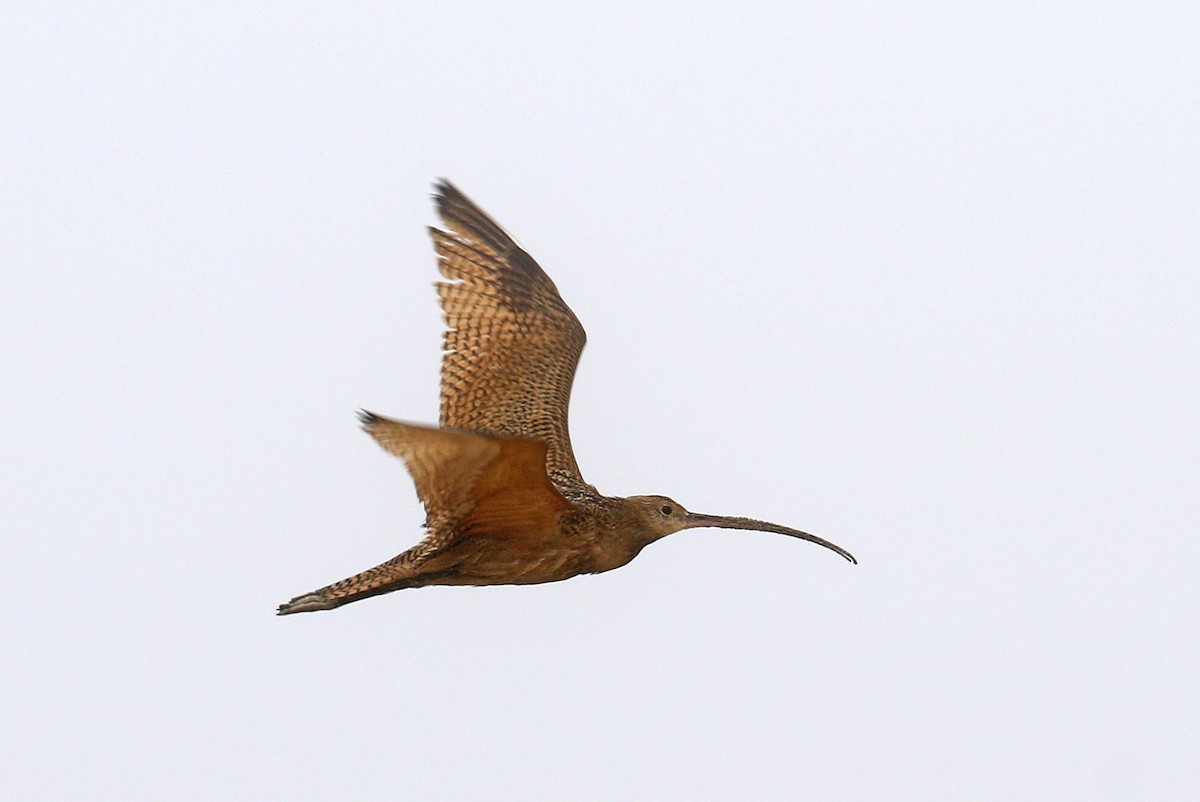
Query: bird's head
(661, 516)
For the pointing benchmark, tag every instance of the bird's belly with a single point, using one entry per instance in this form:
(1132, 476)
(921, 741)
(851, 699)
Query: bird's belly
(605, 555)
(499, 562)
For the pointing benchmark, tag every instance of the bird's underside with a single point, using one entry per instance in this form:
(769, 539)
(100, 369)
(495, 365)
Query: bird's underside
(504, 500)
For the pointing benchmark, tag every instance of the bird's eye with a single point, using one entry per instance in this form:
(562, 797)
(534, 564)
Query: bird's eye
(666, 510)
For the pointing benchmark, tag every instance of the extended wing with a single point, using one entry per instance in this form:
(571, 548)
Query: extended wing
(512, 344)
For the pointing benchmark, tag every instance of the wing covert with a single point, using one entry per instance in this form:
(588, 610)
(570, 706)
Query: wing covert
(472, 480)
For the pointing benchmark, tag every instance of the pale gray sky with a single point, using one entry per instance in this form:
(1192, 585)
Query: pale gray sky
(924, 282)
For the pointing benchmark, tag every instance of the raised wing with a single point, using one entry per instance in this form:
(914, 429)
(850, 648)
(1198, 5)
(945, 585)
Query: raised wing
(512, 344)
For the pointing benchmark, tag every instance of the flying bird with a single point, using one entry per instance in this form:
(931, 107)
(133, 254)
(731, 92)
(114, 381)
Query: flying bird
(504, 499)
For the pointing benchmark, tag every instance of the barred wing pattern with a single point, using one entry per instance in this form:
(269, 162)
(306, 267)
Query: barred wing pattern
(512, 344)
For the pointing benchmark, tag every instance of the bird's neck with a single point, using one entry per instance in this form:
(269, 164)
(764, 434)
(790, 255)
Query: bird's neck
(618, 538)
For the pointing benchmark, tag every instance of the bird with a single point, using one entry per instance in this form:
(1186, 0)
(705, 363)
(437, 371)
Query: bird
(504, 499)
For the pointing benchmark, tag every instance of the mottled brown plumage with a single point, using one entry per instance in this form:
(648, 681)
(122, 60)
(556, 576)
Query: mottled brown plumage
(504, 500)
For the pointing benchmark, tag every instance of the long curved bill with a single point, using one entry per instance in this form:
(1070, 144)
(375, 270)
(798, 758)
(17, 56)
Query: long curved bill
(695, 521)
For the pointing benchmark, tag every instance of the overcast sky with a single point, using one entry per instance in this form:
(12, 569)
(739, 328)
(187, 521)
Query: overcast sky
(924, 282)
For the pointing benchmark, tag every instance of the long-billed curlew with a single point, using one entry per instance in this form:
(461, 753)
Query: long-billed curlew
(504, 500)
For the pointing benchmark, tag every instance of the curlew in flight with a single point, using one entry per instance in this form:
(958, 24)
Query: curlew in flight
(504, 500)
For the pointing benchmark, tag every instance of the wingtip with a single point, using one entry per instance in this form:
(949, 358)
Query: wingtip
(367, 418)
(309, 602)
(443, 190)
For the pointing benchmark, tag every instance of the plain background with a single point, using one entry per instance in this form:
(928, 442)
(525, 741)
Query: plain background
(922, 281)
